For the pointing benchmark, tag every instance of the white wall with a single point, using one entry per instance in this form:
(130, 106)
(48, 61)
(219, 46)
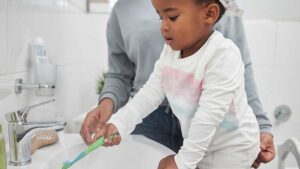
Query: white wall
(3, 33)
(75, 42)
(272, 28)
(275, 54)
(271, 9)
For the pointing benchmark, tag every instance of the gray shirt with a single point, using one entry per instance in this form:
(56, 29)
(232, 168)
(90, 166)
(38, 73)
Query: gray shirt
(135, 43)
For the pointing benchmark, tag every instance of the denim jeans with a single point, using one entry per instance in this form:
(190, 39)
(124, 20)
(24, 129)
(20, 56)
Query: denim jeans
(162, 126)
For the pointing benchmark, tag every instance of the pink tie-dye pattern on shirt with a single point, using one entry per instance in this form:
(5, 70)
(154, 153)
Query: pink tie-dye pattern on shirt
(182, 90)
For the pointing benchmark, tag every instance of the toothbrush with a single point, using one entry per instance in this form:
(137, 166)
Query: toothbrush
(92, 147)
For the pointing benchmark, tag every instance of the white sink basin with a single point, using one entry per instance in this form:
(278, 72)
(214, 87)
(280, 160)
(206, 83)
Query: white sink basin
(135, 152)
(4, 93)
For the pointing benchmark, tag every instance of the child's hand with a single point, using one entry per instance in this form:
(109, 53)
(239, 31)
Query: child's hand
(110, 133)
(167, 163)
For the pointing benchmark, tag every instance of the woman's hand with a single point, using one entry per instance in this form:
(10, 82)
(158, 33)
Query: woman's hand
(96, 119)
(267, 152)
(167, 163)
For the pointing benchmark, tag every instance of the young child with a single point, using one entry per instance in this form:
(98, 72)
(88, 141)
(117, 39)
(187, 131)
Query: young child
(202, 75)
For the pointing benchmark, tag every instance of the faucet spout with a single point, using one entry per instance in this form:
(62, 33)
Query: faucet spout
(21, 115)
(20, 133)
(32, 127)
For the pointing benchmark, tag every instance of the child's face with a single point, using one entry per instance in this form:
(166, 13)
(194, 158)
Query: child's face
(182, 23)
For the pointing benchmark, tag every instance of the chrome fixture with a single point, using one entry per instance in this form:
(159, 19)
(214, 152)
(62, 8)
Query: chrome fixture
(292, 146)
(19, 86)
(20, 132)
(282, 113)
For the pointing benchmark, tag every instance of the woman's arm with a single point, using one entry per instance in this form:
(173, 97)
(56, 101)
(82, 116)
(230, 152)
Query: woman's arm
(118, 82)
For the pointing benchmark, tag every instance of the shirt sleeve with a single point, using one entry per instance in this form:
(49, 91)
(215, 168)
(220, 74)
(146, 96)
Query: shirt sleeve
(222, 77)
(232, 27)
(148, 98)
(118, 81)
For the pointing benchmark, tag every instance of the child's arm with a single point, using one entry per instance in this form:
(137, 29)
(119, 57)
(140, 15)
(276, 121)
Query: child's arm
(232, 27)
(143, 103)
(223, 75)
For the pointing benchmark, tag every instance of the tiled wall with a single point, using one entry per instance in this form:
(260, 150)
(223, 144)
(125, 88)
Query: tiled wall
(76, 43)
(274, 9)
(3, 33)
(275, 54)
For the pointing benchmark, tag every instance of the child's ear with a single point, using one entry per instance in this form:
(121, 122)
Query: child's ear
(212, 13)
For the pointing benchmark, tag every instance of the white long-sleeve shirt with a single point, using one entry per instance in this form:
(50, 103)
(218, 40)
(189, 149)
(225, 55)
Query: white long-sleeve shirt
(206, 93)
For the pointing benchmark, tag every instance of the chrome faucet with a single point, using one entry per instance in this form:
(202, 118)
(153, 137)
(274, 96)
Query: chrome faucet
(20, 132)
(20, 85)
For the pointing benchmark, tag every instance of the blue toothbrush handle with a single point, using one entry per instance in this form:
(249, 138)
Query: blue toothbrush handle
(98, 143)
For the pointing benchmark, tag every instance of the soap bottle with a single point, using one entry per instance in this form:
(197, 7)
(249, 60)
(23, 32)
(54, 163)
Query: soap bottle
(3, 164)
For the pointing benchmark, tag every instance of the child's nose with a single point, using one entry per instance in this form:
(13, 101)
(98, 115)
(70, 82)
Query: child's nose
(164, 26)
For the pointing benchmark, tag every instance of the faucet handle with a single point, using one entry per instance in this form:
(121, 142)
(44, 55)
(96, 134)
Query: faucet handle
(21, 115)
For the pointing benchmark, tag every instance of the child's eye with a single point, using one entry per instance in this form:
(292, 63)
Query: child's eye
(160, 18)
(173, 18)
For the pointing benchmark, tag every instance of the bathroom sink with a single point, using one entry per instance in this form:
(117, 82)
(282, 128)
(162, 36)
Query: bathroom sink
(4, 93)
(135, 152)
